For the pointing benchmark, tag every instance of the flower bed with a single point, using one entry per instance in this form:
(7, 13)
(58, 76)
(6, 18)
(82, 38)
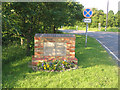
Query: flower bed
(55, 65)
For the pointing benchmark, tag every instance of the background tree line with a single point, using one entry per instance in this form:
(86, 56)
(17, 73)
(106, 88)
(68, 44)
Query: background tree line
(22, 20)
(100, 17)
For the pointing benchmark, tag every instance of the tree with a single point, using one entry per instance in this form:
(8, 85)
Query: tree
(74, 13)
(26, 19)
(102, 17)
(95, 18)
(117, 19)
(110, 18)
(28, 15)
(10, 24)
(54, 15)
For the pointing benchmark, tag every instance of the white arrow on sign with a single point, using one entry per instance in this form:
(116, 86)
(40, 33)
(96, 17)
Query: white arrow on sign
(87, 20)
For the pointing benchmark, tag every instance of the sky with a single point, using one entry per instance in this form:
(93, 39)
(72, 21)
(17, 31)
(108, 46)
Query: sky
(101, 4)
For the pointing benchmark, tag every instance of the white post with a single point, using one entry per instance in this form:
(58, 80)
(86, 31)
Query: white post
(76, 27)
(105, 28)
(86, 34)
(99, 26)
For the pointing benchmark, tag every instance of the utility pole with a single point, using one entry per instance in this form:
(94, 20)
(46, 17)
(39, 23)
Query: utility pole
(107, 15)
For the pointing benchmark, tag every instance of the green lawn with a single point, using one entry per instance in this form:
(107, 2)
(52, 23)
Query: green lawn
(109, 29)
(96, 69)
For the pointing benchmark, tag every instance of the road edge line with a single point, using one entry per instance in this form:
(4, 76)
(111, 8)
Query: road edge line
(108, 50)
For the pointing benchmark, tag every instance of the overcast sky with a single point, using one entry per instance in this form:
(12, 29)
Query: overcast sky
(100, 4)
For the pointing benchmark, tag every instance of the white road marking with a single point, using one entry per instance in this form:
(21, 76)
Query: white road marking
(109, 50)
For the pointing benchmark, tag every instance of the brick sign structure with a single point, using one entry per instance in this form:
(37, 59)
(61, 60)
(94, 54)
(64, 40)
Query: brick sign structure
(49, 47)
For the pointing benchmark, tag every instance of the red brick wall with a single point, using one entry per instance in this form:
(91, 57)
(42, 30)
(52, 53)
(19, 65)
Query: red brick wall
(39, 49)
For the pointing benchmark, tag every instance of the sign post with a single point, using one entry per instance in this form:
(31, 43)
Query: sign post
(86, 34)
(87, 13)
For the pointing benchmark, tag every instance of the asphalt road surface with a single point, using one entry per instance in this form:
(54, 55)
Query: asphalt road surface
(108, 39)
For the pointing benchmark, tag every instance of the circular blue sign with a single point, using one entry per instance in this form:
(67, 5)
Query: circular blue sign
(87, 13)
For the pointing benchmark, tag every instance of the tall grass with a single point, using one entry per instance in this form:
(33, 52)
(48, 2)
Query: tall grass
(12, 53)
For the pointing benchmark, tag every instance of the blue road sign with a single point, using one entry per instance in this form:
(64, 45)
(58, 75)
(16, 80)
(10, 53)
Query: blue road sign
(87, 13)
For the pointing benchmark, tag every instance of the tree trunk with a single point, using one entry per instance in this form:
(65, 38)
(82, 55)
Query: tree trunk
(21, 41)
(28, 41)
(45, 31)
(53, 29)
(28, 46)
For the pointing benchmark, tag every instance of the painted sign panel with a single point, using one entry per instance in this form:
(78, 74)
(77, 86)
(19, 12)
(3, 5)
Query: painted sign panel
(87, 20)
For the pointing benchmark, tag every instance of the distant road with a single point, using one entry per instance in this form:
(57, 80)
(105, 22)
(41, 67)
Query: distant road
(109, 39)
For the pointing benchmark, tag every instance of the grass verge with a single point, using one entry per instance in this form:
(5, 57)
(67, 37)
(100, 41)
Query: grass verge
(109, 29)
(96, 69)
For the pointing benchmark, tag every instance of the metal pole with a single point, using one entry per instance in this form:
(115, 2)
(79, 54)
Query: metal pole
(107, 15)
(86, 34)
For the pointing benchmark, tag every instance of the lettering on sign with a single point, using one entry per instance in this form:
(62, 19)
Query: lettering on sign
(87, 20)
(54, 49)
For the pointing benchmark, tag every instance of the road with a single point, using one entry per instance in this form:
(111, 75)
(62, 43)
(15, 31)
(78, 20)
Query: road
(108, 39)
